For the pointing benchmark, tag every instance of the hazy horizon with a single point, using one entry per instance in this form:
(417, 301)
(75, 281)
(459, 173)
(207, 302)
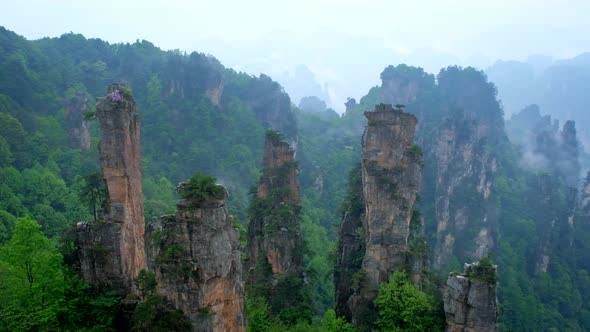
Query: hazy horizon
(327, 37)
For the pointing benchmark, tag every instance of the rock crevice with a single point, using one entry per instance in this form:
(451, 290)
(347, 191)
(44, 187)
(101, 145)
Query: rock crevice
(195, 256)
(470, 300)
(120, 237)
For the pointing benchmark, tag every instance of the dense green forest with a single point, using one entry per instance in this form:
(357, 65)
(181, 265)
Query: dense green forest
(198, 116)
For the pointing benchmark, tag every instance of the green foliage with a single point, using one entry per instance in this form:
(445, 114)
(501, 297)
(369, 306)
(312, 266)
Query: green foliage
(31, 279)
(160, 198)
(260, 320)
(154, 315)
(201, 187)
(289, 301)
(258, 315)
(483, 270)
(405, 73)
(274, 136)
(91, 191)
(402, 307)
(146, 283)
(126, 91)
(359, 280)
(38, 172)
(7, 222)
(84, 310)
(415, 151)
(331, 323)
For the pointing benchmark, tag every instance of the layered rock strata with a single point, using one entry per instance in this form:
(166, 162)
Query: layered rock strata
(391, 175)
(275, 247)
(76, 124)
(464, 174)
(195, 256)
(121, 237)
(470, 300)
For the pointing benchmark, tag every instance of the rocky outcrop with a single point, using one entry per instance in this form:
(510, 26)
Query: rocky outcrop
(76, 125)
(121, 236)
(556, 153)
(99, 252)
(391, 175)
(464, 170)
(272, 107)
(195, 256)
(351, 244)
(278, 165)
(275, 244)
(215, 93)
(470, 299)
(405, 85)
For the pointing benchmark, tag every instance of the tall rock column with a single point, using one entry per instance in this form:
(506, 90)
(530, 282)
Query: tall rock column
(275, 247)
(470, 299)
(197, 263)
(463, 172)
(391, 175)
(120, 163)
(113, 251)
(77, 126)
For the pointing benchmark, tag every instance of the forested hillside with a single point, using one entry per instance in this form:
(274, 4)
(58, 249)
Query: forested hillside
(484, 192)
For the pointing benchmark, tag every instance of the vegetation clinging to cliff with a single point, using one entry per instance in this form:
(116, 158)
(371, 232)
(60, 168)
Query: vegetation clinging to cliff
(201, 187)
(403, 307)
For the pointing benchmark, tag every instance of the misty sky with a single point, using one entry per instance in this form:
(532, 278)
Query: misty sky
(345, 44)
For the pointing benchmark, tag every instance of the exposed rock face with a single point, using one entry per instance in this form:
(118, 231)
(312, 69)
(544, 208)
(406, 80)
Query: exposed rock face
(464, 176)
(122, 234)
(351, 245)
(399, 91)
(277, 159)
(470, 300)
(273, 108)
(215, 93)
(196, 259)
(275, 242)
(556, 152)
(584, 202)
(405, 85)
(99, 255)
(391, 175)
(77, 126)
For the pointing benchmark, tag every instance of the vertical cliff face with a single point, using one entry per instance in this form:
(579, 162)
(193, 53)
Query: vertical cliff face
(464, 171)
(120, 163)
(391, 175)
(555, 226)
(196, 259)
(470, 299)
(351, 244)
(113, 251)
(556, 153)
(275, 242)
(273, 108)
(76, 125)
(584, 202)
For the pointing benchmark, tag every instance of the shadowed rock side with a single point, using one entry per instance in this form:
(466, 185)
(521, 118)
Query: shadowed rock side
(555, 156)
(99, 255)
(195, 256)
(464, 176)
(351, 248)
(76, 125)
(391, 175)
(279, 238)
(470, 300)
(350, 244)
(275, 244)
(120, 239)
